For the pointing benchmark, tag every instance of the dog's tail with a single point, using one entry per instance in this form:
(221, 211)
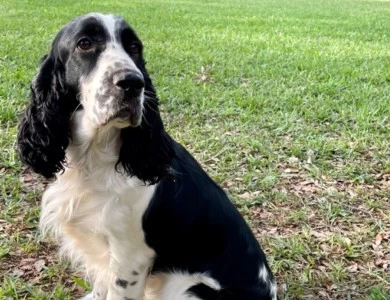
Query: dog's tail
(204, 292)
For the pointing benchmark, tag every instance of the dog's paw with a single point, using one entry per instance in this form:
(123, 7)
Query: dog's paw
(87, 297)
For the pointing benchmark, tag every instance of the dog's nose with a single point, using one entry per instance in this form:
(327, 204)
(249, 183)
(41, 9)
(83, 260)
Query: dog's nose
(129, 82)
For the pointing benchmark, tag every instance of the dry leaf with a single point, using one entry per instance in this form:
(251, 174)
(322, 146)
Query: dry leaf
(293, 160)
(378, 239)
(27, 177)
(39, 265)
(378, 261)
(353, 268)
(347, 241)
(17, 272)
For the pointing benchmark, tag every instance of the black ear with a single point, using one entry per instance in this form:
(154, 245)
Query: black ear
(43, 130)
(147, 150)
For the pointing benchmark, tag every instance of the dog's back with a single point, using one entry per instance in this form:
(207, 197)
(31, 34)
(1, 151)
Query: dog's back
(193, 226)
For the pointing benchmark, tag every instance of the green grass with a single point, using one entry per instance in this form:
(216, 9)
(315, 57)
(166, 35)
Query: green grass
(285, 103)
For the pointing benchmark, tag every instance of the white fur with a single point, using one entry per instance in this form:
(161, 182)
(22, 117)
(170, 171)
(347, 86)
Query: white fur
(95, 211)
(89, 86)
(265, 277)
(109, 22)
(273, 290)
(173, 286)
(263, 273)
(92, 208)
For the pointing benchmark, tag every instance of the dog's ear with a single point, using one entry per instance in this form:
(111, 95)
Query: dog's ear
(147, 150)
(44, 127)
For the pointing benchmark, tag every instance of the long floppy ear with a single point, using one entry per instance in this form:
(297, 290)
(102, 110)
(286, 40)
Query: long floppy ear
(43, 130)
(147, 150)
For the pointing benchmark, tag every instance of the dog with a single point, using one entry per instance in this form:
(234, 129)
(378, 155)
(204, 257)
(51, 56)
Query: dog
(129, 205)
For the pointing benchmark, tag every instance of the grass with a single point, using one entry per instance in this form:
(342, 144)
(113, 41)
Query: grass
(285, 104)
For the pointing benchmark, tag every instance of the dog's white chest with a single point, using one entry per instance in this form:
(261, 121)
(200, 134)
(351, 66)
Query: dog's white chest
(96, 213)
(113, 208)
(91, 214)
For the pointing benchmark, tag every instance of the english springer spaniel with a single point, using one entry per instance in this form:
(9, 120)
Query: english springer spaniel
(129, 204)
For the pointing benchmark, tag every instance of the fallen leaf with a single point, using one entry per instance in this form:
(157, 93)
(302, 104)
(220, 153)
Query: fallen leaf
(378, 239)
(353, 268)
(35, 280)
(347, 241)
(17, 272)
(293, 160)
(27, 177)
(39, 265)
(378, 261)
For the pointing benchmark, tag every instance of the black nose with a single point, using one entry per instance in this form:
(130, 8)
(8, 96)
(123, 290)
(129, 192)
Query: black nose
(129, 82)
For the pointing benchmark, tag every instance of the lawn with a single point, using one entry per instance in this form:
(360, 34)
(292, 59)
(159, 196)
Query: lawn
(285, 103)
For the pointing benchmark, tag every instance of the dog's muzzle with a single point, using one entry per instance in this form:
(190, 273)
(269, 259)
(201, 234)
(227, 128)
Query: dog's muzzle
(130, 87)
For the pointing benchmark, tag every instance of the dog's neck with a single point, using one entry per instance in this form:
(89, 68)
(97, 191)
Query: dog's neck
(92, 147)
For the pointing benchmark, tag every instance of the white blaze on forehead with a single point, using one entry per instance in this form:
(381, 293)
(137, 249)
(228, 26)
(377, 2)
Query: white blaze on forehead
(109, 21)
(114, 50)
(113, 59)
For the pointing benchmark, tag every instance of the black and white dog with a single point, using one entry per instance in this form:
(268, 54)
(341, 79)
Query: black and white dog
(129, 204)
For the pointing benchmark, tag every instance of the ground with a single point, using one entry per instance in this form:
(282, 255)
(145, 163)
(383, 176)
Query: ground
(284, 103)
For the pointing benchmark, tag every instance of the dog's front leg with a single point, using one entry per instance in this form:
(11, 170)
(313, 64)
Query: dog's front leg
(129, 267)
(98, 293)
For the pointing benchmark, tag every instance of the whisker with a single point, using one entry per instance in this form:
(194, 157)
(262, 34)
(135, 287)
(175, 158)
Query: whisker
(147, 103)
(107, 138)
(71, 117)
(150, 93)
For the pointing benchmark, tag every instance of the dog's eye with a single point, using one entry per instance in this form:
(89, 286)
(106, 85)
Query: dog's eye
(84, 44)
(134, 48)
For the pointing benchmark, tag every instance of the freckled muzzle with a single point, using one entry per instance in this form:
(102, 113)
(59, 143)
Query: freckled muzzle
(120, 95)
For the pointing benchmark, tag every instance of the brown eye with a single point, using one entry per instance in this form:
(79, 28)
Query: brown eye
(84, 44)
(134, 48)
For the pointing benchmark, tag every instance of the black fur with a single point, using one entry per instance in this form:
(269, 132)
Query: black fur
(122, 283)
(44, 128)
(43, 135)
(193, 226)
(146, 150)
(190, 222)
(204, 292)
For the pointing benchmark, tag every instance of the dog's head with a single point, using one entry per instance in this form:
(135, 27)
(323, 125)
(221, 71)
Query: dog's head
(102, 60)
(95, 65)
